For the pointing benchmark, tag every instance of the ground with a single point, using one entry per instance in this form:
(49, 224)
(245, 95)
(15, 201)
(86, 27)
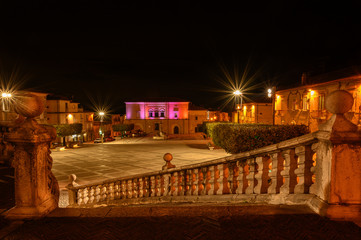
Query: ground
(97, 162)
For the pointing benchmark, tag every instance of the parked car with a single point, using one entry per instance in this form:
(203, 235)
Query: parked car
(109, 139)
(98, 140)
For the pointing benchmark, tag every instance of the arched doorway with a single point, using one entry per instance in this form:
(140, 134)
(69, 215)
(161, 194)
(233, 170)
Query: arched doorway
(176, 130)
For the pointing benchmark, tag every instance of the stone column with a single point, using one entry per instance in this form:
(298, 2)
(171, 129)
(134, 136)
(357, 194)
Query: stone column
(342, 145)
(36, 188)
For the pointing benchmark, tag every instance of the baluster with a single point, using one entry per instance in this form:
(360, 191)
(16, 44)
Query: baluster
(303, 170)
(166, 184)
(123, 189)
(250, 177)
(85, 195)
(141, 188)
(240, 177)
(146, 187)
(135, 187)
(202, 181)
(218, 179)
(194, 181)
(111, 191)
(262, 175)
(290, 178)
(91, 193)
(158, 184)
(174, 182)
(181, 183)
(152, 186)
(117, 190)
(275, 174)
(103, 193)
(316, 170)
(189, 182)
(79, 197)
(97, 193)
(129, 192)
(229, 177)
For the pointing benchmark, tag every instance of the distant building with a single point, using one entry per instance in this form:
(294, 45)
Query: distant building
(254, 113)
(306, 104)
(169, 115)
(61, 110)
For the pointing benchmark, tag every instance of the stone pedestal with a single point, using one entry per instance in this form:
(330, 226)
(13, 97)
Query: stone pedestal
(36, 188)
(344, 156)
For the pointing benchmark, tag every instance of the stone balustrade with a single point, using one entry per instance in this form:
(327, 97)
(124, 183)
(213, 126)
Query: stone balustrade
(285, 168)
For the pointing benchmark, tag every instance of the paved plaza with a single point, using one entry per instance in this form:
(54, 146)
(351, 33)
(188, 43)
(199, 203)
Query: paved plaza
(98, 162)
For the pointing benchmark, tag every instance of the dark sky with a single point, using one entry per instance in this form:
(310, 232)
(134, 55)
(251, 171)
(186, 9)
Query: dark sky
(109, 52)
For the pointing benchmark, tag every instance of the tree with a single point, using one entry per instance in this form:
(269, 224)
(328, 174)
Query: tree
(123, 127)
(64, 130)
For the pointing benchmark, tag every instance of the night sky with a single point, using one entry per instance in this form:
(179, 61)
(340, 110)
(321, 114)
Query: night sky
(112, 53)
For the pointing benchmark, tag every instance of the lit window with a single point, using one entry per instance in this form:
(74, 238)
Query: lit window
(176, 115)
(305, 103)
(150, 113)
(321, 102)
(162, 113)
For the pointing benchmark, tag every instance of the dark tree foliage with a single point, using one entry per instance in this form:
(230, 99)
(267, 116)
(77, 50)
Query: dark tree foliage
(235, 138)
(123, 127)
(63, 130)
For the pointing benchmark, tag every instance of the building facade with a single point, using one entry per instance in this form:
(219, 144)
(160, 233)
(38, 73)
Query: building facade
(254, 113)
(171, 116)
(306, 104)
(60, 110)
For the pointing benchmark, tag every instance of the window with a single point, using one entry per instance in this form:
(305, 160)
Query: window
(321, 102)
(150, 112)
(305, 103)
(175, 109)
(156, 126)
(175, 115)
(161, 113)
(196, 117)
(156, 114)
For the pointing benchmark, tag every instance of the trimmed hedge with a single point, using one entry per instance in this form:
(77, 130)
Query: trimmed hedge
(235, 138)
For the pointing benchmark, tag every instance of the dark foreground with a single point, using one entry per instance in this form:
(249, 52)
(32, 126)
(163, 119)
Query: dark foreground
(186, 222)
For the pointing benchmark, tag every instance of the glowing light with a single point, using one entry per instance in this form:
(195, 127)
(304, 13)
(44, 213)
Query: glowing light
(312, 92)
(101, 113)
(6, 95)
(237, 93)
(245, 108)
(70, 116)
(215, 117)
(269, 95)
(269, 91)
(211, 119)
(278, 96)
(252, 106)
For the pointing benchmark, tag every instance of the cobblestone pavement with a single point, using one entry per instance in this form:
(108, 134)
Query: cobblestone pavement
(97, 162)
(185, 222)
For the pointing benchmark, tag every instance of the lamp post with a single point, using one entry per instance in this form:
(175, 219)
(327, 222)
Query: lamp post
(101, 114)
(238, 94)
(272, 94)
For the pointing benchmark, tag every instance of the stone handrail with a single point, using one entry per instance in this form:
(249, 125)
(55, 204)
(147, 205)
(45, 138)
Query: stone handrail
(284, 168)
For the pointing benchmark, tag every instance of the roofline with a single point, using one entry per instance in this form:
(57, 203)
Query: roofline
(355, 77)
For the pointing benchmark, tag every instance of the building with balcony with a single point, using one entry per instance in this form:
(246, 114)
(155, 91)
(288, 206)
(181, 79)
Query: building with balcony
(306, 104)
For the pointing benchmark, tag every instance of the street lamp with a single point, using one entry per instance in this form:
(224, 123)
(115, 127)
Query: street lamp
(101, 114)
(271, 94)
(5, 100)
(238, 94)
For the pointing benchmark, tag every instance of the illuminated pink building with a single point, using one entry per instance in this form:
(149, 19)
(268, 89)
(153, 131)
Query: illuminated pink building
(169, 115)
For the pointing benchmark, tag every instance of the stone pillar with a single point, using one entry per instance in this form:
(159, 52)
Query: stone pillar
(344, 141)
(36, 188)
